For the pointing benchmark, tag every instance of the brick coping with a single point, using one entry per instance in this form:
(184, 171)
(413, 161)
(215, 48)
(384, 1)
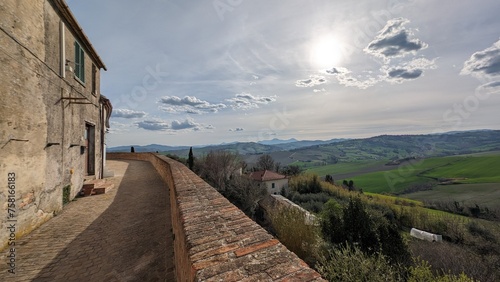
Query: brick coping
(214, 240)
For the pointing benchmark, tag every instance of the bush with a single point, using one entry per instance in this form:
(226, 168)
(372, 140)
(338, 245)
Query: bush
(349, 263)
(291, 229)
(422, 272)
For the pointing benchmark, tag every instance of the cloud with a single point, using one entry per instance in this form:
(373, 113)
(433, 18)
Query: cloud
(484, 63)
(404, 74)
(126, 113)
(489, 88)
(394, 41)
(393, 74)
(153, 125)
(312, 81)
(188, 104)
(118, 127)
(247, 101)
(175, 125)
(237, 129)
(407, 71)
(493, 84)
(187, 124)
(319, 90)
(345, 77)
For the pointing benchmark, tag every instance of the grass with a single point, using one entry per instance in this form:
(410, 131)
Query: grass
(484, 169)
(344, 168)
(480, 169)
(487, 194)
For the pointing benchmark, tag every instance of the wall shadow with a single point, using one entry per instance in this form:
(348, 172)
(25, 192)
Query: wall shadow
(130, 241)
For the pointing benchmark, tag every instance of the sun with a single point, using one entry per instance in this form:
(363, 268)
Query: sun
(326, 52)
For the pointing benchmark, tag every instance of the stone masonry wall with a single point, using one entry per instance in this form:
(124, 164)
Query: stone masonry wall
(213, 239)
(41, 133)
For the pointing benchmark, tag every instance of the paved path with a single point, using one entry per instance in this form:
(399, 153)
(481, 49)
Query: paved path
(123, 235)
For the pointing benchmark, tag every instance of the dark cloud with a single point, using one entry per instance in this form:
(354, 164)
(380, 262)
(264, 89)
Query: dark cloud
(248, 101)
(409, 70)
(334, 71)
(153, 125)
(394, 41)
(405, 74)
(189, 104)
(126, 113)
(484, 63)
(312, 81)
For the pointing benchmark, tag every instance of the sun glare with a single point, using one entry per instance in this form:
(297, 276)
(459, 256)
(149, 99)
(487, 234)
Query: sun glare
(326, 52)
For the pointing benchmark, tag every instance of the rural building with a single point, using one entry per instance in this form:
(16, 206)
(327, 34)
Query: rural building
(273, 181)
(52, 117)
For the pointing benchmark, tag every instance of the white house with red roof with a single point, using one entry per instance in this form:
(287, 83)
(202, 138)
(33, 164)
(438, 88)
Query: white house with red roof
(273, 181)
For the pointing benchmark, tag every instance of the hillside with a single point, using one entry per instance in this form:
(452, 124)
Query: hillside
(382, 148)
(394, 147)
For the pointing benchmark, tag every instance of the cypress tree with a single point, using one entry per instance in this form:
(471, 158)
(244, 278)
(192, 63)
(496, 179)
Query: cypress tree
(191, 158)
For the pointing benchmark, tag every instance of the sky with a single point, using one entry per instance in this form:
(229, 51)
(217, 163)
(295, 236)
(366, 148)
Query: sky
(185, 72)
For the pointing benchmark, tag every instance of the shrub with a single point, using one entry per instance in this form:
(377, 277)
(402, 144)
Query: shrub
(349, 263)
(66, 194)
(291, 229)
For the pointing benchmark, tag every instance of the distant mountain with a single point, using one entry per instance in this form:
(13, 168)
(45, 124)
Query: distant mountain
(392, 147)
(384, 147)
(147, 148)
(307, 143)
(277, 141)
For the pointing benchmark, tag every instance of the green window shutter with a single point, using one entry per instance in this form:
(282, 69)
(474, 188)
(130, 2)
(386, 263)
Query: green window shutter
(79, 62)
(82, 68)
(77, 59)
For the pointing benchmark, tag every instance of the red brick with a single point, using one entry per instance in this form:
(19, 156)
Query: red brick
(255, 247)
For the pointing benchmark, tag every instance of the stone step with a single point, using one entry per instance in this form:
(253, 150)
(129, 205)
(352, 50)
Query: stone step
(95, 187)
(103, 189)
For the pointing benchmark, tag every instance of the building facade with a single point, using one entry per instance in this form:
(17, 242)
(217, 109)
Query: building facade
(274, 182)
(52, 117)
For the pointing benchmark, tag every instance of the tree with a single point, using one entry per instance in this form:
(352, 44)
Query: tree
(265, 162)
(217, 167)
(291, 170)
(191, 158)
(244, 193)
(329, 179)
(351, 185)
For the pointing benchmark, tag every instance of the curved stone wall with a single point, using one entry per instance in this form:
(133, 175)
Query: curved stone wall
(213, 239)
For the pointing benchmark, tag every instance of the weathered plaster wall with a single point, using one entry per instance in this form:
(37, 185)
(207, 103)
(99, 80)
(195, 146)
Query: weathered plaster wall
(213, 239)
(278, 185)
(40, 133)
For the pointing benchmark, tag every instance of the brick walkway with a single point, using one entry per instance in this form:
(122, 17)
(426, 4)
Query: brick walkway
(123, 235)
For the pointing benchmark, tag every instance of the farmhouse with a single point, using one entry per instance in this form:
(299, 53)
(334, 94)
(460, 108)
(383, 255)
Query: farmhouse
(53, 117)
(274, 182)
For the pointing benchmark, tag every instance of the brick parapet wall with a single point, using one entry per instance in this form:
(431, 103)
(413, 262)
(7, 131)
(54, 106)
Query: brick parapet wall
(214, 240)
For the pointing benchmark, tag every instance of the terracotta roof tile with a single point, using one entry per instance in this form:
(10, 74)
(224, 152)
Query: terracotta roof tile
(266, 175)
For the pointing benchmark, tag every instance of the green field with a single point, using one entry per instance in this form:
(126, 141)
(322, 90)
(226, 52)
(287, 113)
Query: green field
(473, 178)
(484, 169)
(487, 194)
(346, 168)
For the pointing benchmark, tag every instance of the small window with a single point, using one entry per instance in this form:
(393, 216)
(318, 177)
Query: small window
(273, 186)
(79, 62)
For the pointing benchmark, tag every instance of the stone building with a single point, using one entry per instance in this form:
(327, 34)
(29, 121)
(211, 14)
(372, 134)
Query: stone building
(52, 117)
(274, 182)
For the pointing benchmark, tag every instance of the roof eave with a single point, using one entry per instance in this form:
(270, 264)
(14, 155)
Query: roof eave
(73, 25)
